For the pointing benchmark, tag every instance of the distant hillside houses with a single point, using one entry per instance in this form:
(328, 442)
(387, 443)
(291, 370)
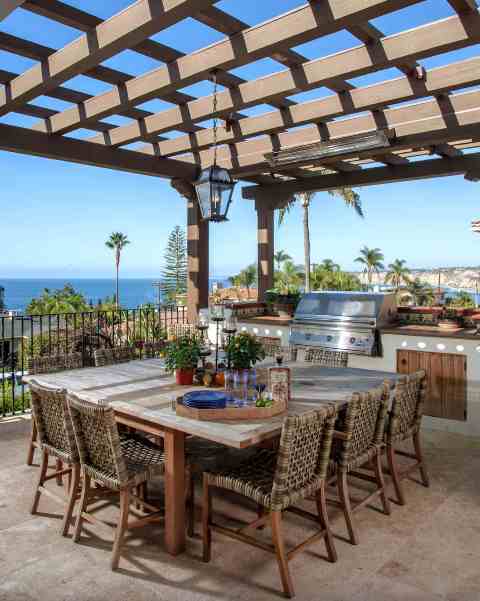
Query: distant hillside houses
(450, 277)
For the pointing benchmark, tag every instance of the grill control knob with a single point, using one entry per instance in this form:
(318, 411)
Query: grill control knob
(352, 340)
(329, 338)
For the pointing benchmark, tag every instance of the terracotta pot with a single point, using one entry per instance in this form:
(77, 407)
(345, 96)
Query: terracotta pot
(184, 377)
(220, 379)
(284, 309)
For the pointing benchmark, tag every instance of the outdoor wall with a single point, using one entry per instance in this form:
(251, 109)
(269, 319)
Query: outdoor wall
(388, 362)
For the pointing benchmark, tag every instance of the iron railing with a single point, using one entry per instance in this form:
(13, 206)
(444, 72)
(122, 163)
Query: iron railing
(23, 337)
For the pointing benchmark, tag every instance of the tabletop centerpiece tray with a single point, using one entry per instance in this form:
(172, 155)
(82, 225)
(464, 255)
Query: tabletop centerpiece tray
(219, 406)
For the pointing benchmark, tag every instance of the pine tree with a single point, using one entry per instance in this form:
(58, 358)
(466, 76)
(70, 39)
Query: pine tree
(174, 273)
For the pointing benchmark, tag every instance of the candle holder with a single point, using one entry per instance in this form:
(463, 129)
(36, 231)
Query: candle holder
(229, 329)
(217, 315)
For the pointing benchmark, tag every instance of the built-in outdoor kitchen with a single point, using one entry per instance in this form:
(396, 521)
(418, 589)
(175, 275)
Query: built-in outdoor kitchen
(378, 335)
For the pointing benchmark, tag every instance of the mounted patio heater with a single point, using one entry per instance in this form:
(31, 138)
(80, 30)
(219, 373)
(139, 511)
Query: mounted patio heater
(317, 151)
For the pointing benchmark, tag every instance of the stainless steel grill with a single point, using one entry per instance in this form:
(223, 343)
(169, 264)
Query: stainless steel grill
(346, 321)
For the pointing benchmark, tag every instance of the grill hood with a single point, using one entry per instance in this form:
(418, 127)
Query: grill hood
(346, 321)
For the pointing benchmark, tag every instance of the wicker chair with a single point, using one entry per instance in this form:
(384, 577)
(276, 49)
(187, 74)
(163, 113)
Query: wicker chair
(175, 330)
(46, 364)
(55, 438)
(358, 443)
(275, 481)
(273, 346)
(326, 358)
(120, 465)
(151, 350)
(403, 424)
(111, 356)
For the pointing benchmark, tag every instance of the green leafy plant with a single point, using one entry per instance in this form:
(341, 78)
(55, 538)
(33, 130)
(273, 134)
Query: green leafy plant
(63, 300)
(244, 350)
(289, 295)
(182, 353)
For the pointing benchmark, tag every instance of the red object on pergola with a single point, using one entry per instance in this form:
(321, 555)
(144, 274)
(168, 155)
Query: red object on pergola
(445, 124)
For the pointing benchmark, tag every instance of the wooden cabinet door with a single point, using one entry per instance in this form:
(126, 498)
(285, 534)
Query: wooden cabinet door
(447, 381)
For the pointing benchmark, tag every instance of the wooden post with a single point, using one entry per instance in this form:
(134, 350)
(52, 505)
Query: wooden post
(198, 255)
(265, 237)
(197, 251)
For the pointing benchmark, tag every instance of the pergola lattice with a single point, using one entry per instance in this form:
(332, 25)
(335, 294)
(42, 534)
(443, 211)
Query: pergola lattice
(445, 125)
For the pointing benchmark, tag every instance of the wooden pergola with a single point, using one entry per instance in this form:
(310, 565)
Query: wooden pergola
(428, 112)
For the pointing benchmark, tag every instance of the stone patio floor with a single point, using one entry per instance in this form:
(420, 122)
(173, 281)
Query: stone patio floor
(428, 550)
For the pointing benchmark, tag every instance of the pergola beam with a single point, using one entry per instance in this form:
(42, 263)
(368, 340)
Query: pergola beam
(463, 6)
(456, 75)
(8, 6)
(431, 118)
(125, 29)
(35, 51)
(368, 177)
(441, 36)
(298, 26)
(26, 141)
(78, 19)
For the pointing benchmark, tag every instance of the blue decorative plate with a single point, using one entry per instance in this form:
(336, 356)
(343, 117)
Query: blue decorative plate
(206, 399)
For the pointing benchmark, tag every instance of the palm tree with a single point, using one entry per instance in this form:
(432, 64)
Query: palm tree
(290, 277)
(235, 282)
(398, 274)
(280, 257)
(422, 293)
(350, 198)
(329, 265)
(117, 242)
(371, 259)
(247, 277)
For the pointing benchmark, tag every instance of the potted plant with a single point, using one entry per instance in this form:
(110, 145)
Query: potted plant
(244, 350)
(283, 301)
(181, 356)
(449, 320)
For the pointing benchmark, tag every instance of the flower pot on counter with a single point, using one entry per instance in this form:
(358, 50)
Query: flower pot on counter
(449, 324)
(184, 377)
(285, 310)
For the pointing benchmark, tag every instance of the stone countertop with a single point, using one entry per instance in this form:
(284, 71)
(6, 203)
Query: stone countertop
(432, 331)
(267, 320)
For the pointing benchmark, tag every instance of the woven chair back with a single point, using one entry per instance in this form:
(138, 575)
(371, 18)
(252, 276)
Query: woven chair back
(47, 364)
(98, 442)
(326, 357)
(303, 453)
(407, 406)
(50, 411)
(363, 423)
(176, 330)
(111, 356)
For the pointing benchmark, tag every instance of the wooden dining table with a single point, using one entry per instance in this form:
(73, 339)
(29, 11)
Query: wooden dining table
(141, 393)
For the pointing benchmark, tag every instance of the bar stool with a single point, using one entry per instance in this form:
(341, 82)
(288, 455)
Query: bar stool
(276, 481)
(47, 364)
(404, 423)
(358, 443)
(56, 439)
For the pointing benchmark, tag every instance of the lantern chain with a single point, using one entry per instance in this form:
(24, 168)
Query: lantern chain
(215, 119)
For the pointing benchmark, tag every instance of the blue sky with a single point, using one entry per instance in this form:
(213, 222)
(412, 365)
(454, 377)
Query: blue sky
(56, 216)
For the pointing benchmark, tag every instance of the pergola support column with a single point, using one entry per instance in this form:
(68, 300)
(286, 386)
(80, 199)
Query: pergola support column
(266, 247)
(197, 252)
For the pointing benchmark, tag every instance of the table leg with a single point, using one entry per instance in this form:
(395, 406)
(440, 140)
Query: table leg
(174, 492)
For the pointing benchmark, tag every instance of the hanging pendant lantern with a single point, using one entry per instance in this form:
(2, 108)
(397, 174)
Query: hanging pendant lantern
(214, 187)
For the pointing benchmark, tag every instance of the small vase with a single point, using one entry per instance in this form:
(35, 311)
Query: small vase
(184, 377)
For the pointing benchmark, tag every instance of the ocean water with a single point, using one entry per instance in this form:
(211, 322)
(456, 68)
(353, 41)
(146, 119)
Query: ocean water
(133, 292)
